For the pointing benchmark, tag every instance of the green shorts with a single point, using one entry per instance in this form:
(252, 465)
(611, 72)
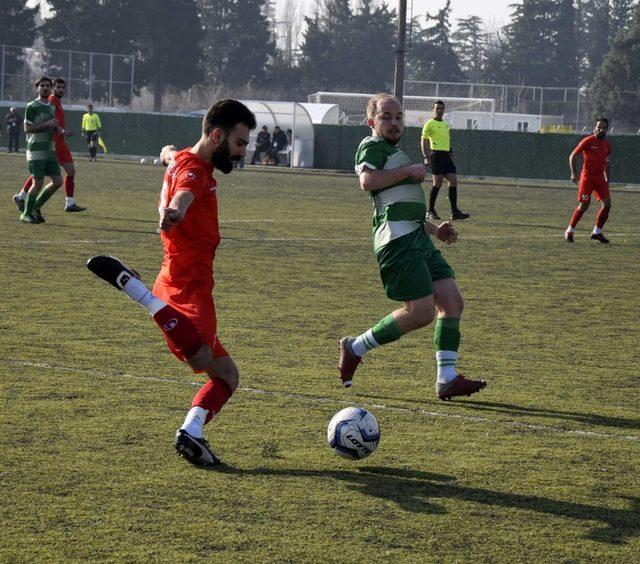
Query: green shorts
(40, 169)
(409, 265)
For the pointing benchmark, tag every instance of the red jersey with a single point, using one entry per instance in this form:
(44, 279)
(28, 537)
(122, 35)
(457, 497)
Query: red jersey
(189, 248)
(595, 154)
(59, 113)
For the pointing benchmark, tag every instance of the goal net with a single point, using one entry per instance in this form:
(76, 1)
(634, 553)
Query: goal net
(417, 109)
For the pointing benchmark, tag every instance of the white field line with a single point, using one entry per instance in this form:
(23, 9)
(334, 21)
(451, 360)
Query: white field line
(315, 399)
(511, 237)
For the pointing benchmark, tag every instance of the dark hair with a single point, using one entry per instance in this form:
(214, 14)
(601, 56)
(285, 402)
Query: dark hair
(90, 106)
(438, 102)
(226, 114)
(59, 81)
(601, 119)
(43, 79)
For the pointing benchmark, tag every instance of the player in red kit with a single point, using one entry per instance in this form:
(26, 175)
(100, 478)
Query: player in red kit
(595, 152)
(63, 155)
(181, 302)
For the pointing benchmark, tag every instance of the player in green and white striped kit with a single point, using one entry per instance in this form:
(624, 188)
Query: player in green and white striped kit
(413, 271)
(40, 123)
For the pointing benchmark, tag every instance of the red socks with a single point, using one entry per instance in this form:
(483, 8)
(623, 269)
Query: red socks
(575, 218)
(27, 184)
(69, 185)
(602, 216)
(212, 396)
(179, 332)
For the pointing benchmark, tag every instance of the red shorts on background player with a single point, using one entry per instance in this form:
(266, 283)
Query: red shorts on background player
(63, 154)
(595, 151)
(181, 302)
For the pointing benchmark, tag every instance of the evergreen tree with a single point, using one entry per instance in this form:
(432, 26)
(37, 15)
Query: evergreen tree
(433, 56)
(18, 24)
(616, 90)
(238, 45)
(163, 36)
(349, 50)
(469, 43)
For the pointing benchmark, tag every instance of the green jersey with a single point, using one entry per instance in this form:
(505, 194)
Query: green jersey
(40, 145)
(399, 209)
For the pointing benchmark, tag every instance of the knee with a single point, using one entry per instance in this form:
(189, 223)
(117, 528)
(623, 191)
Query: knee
(231, 377)
(452, 305)
(202, 360)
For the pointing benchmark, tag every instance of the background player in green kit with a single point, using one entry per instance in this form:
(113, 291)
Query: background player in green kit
(413, 271)
(40, 123)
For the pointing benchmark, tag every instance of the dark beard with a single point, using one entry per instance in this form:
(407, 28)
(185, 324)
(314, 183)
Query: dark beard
(222, 158)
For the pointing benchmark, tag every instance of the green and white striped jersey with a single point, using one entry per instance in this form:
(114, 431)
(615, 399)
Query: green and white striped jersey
(40, 145)
(399, 209)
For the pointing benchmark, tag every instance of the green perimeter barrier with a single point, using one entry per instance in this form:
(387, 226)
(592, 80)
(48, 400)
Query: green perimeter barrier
(127, 133)
(508, 154)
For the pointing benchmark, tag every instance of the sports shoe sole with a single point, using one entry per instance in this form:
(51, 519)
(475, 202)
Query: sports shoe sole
(111, 270)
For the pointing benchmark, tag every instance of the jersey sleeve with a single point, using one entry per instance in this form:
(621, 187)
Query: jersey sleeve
(29, 114)
(370, 155)
(582, 146)
(426, 130)
(190, 180)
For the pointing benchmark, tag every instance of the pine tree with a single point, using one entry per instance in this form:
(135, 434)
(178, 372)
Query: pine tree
(18, 23)
(469, 43)
(433, 56)
(616, 89)
(237, 44)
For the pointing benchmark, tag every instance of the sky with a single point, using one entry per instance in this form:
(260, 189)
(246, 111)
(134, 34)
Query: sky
(494, 12)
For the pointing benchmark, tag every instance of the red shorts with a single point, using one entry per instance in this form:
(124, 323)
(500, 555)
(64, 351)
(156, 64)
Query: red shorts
(63, 155)
(194, 300)
(589, 184)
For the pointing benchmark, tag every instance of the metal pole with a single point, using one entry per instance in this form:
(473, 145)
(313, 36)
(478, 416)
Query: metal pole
(398, 85)
(293, 136)
(577, 108)
(90, 77)
(541, 94)
(69, 77)
(111, 79)
(133, 60)
(2, 75)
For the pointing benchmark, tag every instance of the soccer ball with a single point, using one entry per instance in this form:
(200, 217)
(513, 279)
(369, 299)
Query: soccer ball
(156, 161)
(143, 161)
(353, 433)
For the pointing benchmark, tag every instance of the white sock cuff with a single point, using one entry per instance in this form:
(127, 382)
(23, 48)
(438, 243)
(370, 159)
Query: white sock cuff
(446, 355)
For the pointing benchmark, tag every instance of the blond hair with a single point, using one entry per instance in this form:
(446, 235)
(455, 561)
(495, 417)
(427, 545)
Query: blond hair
(373, 106)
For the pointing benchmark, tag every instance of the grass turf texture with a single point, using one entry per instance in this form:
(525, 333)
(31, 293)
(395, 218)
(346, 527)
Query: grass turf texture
(542, 465)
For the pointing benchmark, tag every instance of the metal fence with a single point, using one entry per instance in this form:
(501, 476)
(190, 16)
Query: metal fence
(571, 103)
(106, 79)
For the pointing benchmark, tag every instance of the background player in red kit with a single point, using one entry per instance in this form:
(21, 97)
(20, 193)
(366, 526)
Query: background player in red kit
(594, 178)
(63, 155)
(181, 302)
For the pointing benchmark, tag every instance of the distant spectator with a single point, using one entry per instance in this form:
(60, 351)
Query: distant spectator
(263, 144)
(289, 137)
(278, 143)
(13, 124)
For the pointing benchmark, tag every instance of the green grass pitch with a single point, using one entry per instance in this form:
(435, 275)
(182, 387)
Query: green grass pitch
(542, 465)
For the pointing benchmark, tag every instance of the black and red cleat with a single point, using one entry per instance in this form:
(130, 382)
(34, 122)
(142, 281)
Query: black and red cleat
(600, 237)
(349, 361)
(459, 386)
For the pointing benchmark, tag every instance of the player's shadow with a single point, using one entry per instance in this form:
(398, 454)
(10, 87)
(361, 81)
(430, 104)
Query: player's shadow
(593, 419)
(586, 418)
(418, 492)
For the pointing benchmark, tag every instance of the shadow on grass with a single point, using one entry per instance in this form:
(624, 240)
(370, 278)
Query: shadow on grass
(512, 409)
(586, 418)
(416, 491)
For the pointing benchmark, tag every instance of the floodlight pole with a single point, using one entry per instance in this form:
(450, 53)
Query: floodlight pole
(398, 86)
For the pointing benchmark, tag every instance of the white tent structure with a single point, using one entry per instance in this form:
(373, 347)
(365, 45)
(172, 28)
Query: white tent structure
(287, 115)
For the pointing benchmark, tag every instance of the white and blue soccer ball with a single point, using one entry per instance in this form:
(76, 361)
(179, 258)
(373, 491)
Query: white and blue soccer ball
(353, 433)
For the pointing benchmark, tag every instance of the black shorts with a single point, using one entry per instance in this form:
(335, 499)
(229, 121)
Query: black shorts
(91, 136)
(441, 163)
